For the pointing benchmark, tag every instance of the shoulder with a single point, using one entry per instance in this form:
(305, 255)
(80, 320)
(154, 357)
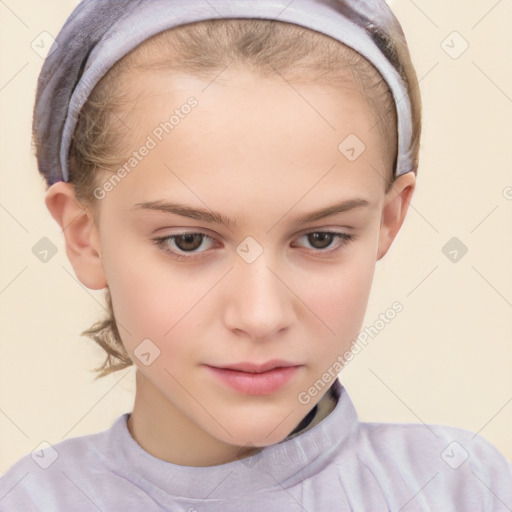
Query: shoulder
(74, 467)
(422, 437)
(439, 460)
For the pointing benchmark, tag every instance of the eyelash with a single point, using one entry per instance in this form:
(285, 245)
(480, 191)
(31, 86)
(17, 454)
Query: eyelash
(345, 239)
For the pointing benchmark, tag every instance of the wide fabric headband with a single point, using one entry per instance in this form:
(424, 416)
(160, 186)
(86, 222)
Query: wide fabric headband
(100, 32)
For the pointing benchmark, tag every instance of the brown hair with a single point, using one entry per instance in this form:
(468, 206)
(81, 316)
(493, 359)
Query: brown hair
(203, 49)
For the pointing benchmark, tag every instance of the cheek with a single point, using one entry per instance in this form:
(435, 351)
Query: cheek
(343, 298)
(150, 298)
(338, 294)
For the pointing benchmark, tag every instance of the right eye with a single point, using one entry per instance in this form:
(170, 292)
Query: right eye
(185, 243)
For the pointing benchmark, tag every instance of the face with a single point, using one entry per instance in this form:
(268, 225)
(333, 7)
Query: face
(265, 286)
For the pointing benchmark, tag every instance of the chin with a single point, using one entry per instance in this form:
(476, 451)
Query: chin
(256, 433)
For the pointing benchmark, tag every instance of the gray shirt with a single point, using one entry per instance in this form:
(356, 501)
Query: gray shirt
(340, 464)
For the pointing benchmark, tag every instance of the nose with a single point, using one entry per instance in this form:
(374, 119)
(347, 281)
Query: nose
(259, 304)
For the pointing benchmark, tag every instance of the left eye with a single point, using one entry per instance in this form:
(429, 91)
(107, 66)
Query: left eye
(325, 238)
(190, 242)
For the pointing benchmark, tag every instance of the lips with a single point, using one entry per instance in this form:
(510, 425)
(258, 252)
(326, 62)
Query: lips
(255, 378)
(258, 367)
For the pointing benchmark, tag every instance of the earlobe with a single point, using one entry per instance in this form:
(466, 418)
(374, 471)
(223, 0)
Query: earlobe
(396, 204)
(80, 234)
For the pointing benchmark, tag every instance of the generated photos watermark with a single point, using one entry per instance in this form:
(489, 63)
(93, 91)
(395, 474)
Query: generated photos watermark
(331, 373)
(152, 140)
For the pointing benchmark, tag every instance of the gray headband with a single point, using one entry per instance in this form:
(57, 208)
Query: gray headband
(100, 32)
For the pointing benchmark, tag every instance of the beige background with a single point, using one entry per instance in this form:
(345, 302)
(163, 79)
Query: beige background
(445, 359)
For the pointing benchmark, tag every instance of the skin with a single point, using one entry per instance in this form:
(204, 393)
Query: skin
(256, 151)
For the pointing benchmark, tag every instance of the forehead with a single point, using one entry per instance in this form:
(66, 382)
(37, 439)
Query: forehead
(252, 134)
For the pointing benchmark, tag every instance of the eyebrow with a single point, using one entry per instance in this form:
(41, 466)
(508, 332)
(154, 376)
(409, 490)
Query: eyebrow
(216, 217)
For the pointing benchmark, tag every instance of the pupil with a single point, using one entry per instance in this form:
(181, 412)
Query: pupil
(324, 237)
(189, 239)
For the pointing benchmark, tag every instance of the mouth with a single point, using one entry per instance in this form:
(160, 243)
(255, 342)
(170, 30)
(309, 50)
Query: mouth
(250, 367)
(255, 378)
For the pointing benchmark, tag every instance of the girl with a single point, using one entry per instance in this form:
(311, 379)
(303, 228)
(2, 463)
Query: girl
(230, 172)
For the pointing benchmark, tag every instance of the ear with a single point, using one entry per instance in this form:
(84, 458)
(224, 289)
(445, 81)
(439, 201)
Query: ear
(396, 204)
(80, 233)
